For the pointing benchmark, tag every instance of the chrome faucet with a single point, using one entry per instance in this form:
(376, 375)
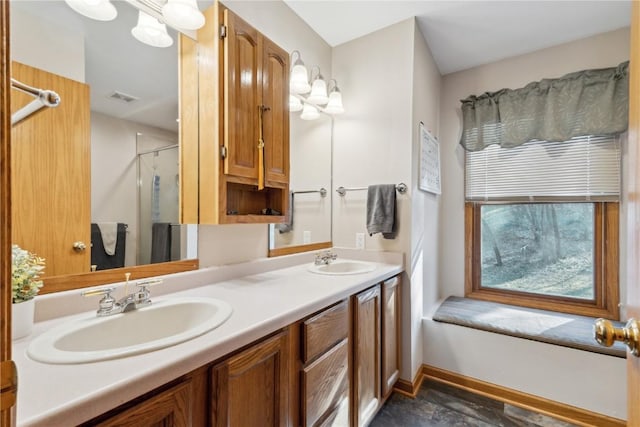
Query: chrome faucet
(325, 257)
(108, 304)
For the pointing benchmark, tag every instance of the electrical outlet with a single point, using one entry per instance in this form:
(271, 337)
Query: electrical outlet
(306, 237)
(359, 240)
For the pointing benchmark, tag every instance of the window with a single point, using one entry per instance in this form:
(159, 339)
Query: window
(542, 225)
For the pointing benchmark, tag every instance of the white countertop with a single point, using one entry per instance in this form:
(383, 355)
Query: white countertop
(61, 395)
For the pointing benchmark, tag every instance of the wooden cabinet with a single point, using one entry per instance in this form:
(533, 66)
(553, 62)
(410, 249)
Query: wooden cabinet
(366, 395)
(171, 407)
(325, 372)
(390, 334)
(242, 146)
(251, 388)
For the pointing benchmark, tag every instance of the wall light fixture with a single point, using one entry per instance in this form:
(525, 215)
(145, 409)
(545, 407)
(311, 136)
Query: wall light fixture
(317, 99)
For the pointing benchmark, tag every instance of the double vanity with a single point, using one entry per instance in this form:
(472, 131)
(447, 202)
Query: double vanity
(281, 341)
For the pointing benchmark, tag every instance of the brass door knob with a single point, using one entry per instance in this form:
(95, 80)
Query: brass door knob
(79, 246)
(606, 334)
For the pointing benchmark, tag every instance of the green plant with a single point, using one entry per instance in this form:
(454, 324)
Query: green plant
(26, 269)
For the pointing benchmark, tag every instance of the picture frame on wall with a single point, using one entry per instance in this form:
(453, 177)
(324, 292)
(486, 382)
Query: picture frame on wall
(429, 175)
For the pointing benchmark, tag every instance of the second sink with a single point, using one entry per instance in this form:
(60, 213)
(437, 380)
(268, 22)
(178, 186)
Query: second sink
(162, 324)
(342, 267)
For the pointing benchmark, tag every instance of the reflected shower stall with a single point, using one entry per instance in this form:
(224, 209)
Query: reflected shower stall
(159, 233)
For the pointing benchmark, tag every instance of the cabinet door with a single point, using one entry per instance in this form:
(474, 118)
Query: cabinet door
(275, 93)
(390, 334)
(171, 408)
(251, 388)
(242, 95)
(366, 355)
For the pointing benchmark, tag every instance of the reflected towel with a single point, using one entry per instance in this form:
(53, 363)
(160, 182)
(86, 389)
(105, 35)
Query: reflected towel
(160, 242)
(99, 257)
(381, 210)
(109, 233)
(287, 225)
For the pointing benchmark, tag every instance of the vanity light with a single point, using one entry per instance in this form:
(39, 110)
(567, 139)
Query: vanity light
(318, 93)
(334, 106)
(151, 31)
(298, 82)
(309, 112)
(100, 10)
(294, 104)
(183, 14)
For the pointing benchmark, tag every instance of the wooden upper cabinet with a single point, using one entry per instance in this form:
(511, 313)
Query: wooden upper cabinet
(242, 146)
(275, 97)
(243, 96)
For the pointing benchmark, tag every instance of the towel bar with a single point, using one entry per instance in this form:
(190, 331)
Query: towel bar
(322, 191)
(400, 188)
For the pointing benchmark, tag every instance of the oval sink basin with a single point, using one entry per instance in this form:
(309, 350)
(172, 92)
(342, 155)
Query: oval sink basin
(342, 267)
(162, 324)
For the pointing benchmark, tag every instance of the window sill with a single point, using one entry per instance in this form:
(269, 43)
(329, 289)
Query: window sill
(566, 330)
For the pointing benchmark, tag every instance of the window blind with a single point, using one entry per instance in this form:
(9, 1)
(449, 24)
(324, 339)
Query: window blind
(585, 168)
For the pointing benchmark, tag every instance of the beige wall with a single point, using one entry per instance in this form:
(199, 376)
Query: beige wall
(585, 380)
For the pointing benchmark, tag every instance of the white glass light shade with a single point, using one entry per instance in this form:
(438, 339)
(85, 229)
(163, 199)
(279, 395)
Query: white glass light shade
(151, 31)
(309, 112)
(183, 14)
(100, 10)
(334, 106)
(294, 104)
(298, 82)
(318, 93)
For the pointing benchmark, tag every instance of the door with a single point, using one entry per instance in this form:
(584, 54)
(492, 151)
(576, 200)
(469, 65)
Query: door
(275, 94)
(51, 173)
(242, 98)
(633, 217)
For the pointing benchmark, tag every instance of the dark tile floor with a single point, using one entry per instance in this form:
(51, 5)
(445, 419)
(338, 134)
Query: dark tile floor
(440, 405)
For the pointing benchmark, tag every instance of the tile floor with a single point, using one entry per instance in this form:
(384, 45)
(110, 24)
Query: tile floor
(440, 405)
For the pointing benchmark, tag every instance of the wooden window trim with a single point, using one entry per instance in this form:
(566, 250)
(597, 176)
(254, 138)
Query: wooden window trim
(606, 265)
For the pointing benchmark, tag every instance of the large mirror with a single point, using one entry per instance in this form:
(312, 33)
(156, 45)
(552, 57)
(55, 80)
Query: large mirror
(308, 225)
(133, 133)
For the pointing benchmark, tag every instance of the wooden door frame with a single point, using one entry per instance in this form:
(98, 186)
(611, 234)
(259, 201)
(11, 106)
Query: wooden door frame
(8, 386)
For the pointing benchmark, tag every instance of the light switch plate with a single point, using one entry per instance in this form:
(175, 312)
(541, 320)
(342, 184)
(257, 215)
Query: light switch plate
(359, 240)
(306, 237)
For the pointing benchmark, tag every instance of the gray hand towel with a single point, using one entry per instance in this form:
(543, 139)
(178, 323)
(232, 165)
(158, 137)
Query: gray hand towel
(381, 210)
(287, 225)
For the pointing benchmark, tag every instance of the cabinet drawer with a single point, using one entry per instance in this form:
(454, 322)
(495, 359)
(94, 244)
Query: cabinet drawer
(325, 384)
(324, 330)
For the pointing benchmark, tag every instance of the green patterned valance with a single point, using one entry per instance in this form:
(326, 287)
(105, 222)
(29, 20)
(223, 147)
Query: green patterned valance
(590, 102)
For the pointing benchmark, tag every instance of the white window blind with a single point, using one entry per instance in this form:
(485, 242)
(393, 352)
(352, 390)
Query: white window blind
(584, 168)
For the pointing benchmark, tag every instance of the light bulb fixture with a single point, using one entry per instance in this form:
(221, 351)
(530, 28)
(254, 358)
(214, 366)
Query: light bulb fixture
(294, 104)
(317, 101)
(334, 106)
(151, 31)
(318, 93)
(298, 82)
(309, 112)
(100, 10)
(183, 14)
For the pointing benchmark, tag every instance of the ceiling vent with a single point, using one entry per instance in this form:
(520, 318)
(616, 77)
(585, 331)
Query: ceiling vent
(123, 97)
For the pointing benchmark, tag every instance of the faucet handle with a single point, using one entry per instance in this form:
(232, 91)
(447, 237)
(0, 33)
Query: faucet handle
(143, 293)
(106, 303)
(151, 282)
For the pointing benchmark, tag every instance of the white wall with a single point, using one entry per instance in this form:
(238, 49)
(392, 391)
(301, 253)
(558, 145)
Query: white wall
(228, 244)
(47, 46)
(389, 83)
(114, 175)
(569, 376)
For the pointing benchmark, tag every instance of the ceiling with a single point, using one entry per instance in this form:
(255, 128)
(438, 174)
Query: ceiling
(464, 34)
(460, 34)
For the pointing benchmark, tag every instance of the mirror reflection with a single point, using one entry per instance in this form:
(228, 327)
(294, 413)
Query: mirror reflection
(309, 218)
(132, 191)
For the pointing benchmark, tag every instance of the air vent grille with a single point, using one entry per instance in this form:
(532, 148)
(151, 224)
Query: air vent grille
(123, 97)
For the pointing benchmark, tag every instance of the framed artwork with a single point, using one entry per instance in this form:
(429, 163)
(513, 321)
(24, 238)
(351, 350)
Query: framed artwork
(429, 179)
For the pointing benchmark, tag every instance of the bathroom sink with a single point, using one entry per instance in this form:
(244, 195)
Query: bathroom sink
(162, 324)
(343, 267)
